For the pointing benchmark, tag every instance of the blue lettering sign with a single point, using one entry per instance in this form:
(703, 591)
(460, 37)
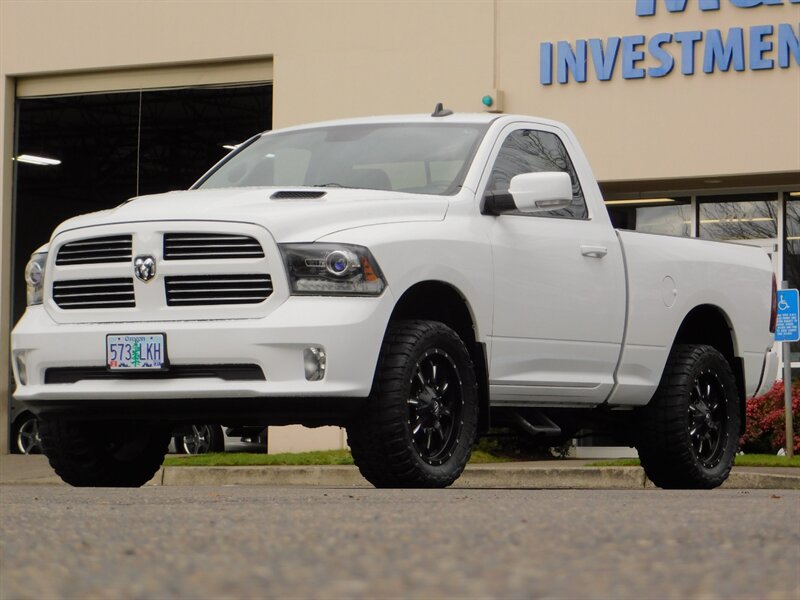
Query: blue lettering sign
(754, 3)
(758, 46)
(687, 40)
(721, 53)
(604, 61)
(567, 61)
(647, 8)
(788, 44)
(546, 63)
(631, 56)
(642, 56)
(662, 56)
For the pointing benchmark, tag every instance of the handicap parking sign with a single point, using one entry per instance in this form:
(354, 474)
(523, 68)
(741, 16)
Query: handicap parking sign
(787, 328)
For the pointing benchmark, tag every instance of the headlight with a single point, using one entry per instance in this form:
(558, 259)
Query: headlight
(34, 277)
(332, 270)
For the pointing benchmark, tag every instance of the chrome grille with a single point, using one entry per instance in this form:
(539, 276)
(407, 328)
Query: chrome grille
(198, 246)
(204, 290)
(109, 249)
(94, 293)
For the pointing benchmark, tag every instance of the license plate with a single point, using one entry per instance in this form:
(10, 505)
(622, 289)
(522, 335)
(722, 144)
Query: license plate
(136, 352)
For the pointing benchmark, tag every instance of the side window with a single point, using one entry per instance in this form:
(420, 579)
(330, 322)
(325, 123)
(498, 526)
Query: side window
(529, 151)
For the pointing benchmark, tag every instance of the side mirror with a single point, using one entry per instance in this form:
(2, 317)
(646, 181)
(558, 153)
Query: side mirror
(532, 193)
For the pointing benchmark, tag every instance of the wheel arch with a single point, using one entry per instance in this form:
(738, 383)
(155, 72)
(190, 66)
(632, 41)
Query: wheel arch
(440, 301)
(710, 325)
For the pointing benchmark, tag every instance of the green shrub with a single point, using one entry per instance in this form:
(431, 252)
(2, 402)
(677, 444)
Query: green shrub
(766, 422)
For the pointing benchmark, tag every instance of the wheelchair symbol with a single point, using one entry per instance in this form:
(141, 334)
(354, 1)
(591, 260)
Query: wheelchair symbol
(783, 304)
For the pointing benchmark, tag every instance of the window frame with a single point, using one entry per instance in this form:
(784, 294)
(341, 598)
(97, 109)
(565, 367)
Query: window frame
(497, 147)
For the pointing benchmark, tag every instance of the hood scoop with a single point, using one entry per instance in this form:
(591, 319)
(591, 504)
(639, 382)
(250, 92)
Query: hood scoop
(296, 195)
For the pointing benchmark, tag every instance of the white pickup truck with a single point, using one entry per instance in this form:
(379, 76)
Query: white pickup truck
(413, 279)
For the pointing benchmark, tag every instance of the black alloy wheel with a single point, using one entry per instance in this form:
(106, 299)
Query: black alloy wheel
(419, 423)
(687, 436)
(435, 406)
(707, 417)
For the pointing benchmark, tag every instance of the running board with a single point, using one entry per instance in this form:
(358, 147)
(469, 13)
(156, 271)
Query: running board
(542, 425)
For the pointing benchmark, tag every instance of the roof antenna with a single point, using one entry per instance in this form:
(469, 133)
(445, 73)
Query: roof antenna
(441, 111)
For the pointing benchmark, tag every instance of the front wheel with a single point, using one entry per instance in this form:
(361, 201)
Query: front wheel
(689, 432)
(420, 420)
(109, 454)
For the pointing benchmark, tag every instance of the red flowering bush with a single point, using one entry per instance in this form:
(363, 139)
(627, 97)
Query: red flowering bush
(766, 423)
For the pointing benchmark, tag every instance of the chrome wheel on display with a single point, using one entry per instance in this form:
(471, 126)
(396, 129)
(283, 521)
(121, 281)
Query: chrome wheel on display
(28, 440)
(200, 439)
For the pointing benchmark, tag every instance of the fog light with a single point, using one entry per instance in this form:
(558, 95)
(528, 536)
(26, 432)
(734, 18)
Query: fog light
(314, 363)
(22, 370)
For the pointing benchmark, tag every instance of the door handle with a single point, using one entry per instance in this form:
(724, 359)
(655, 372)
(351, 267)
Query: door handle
(594, 251)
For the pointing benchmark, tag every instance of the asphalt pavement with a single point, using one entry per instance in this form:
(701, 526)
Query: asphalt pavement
(319, 542)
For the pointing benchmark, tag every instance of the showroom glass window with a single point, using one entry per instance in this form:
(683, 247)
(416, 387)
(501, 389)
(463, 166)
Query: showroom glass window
(737, 217)
(105, 148)
(529, 151)
(666, 216)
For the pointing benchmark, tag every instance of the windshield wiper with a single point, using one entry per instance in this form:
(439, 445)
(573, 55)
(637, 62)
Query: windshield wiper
(335, 185)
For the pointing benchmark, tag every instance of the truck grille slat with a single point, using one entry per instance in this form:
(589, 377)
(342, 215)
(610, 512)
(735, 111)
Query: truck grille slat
(109, 249)
(203, 290)
(94, 293)
(203, 246)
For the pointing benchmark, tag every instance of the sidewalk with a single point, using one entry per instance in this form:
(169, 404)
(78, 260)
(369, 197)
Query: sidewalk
(548, 474)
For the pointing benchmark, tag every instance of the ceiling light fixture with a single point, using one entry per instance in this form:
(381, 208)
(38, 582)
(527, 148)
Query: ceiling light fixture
(737, 220)
(641, 201)
(230, 146)
(37, 160)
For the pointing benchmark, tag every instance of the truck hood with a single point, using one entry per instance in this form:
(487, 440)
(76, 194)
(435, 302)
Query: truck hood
(288, 219)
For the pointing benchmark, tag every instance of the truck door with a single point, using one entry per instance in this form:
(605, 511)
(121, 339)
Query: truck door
(559, 286)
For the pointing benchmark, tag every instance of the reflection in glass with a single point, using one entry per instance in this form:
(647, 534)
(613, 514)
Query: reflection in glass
(670, 220)
(529, 151)
(747, 220)
(674, 218)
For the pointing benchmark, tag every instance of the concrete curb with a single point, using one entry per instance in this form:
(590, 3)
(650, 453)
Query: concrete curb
(35, 470)
(474, 477)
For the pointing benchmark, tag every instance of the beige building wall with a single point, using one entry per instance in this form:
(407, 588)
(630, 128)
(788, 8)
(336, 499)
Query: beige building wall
(333, 59)
(296, 438)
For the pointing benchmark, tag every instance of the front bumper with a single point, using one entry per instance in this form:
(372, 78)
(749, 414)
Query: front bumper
(349, 329)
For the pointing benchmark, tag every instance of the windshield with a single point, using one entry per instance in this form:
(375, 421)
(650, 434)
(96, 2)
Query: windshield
(403, 157)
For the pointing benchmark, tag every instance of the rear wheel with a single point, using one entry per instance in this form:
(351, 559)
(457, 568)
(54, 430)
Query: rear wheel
(420, 421)
(112, 454)
(688, 433)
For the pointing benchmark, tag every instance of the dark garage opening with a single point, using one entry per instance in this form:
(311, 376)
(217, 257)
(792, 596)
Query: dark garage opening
(114, 146)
